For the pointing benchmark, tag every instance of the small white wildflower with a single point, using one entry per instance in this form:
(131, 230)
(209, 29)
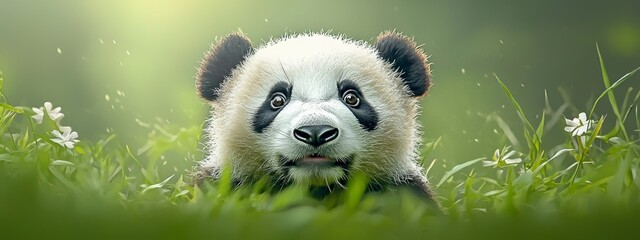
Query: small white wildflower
(66, 138)
(54, 113)
(578, 126)
(502, 158)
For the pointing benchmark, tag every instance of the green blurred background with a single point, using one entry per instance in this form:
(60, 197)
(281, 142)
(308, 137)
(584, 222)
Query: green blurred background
(114, 64)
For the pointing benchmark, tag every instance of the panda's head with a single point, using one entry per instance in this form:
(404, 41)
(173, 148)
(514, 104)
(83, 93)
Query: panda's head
(311, 108)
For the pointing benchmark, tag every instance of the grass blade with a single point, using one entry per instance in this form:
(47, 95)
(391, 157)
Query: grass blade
(607, 84)
(457, 168)
(157, 185)
(514, 102)
(609, 91)
(610, 88)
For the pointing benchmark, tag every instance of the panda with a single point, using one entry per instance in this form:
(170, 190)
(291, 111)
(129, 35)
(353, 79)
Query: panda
(310, 109)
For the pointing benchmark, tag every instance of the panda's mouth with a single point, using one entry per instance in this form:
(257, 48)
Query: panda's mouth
(316, 169)
(317, 161)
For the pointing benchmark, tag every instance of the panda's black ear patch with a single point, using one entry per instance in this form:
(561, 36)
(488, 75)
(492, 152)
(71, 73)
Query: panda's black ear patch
(407, 59)
(219, 62)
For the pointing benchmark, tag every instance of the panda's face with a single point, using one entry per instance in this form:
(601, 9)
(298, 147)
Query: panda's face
(313, 121)
(312, 108)
(313, 132)
(309, 135)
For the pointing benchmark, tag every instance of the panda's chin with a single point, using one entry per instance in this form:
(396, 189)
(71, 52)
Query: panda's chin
(316, 176)
(317, 170)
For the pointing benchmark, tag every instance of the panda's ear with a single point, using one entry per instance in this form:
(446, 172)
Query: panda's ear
(407, 59)
(219, 62)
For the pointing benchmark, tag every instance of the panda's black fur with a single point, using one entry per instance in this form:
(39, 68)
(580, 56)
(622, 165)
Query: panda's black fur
(311, 108)
(219, 62)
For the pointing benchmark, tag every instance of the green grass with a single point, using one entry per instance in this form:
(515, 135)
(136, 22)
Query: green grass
(585, 187)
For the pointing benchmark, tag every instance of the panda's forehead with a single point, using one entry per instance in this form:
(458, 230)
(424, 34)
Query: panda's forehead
(315, 79)
(314, 65)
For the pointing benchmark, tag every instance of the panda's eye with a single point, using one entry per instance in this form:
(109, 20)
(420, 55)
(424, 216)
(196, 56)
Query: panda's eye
(278, 100)
(350, 98)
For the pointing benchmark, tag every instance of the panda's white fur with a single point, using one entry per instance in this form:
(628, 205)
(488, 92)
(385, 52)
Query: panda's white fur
(314, 64)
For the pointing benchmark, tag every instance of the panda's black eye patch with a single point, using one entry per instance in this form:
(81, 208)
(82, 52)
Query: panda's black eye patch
(358, 105)
(276, 100)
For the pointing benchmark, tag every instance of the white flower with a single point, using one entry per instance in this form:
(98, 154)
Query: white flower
(502, 158)
(67, 138)
(54, 114)
(579, 125)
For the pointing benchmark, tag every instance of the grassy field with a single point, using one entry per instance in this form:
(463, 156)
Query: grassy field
(54, 184)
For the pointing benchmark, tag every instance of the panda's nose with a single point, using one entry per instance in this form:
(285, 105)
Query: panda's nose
(315, 135)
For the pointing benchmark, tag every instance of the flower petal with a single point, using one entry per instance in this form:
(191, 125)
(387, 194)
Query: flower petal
(567, 121)
(38, 111)
(38, 118)
(73, 135)
(581, 130)
(58, 141)
(513, 161)
(572, 123)
(65, 129)
(488, 163)
(509, 154)
(569, 129)
(47, 106)
(57, 134)
(68, 144)
(576, 132)
(55, 116)
(577, 121)
(582, 116)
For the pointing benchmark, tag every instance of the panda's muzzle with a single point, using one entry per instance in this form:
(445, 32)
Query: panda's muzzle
(316, 135)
